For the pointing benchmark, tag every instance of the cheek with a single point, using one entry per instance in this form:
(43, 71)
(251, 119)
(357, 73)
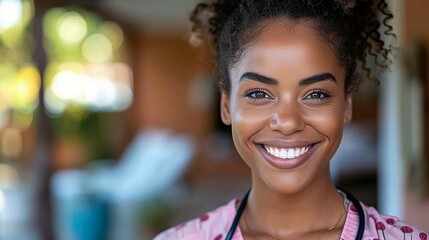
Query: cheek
(247, 117)
(328, 122)
(247, 122)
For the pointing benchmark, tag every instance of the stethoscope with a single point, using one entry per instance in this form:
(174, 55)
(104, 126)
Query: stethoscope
(349, 196)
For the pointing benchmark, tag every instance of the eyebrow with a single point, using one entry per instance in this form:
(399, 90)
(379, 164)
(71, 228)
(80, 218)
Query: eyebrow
(257, 77)
(317, 78)
(271, 81)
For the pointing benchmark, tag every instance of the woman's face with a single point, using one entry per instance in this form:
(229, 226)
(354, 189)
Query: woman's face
(287, 106)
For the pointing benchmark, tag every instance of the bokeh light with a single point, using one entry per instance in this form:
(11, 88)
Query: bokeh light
(11, 12)
(97, 87)
(72, 28)
(97, 48)
(19, 78)
(20, 87)
(113, 32)
(26, 88)
(54, 105)
(84, 68)
(66, 85)
(14, 18)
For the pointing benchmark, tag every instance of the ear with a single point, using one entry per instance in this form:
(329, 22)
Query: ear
(348, 108)
(225, 113)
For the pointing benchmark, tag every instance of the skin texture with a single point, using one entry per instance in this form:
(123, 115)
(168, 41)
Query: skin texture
(287, 90)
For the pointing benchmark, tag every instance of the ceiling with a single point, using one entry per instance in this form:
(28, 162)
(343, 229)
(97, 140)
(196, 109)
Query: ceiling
(153, 15)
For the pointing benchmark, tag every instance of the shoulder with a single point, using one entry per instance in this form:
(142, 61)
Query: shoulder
(211, 226)
(382, 226)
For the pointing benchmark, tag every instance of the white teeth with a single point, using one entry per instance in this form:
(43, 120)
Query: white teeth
(286, 153)
(297, 151)
(271, 150)
(290, 153)
(283, 153)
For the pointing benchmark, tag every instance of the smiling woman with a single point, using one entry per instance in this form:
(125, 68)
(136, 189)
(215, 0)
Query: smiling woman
(295, 101)
(288, 70)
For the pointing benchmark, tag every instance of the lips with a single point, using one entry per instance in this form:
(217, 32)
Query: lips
(287, 156)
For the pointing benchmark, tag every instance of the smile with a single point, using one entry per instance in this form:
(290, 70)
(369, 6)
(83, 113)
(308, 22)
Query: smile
(286, 153)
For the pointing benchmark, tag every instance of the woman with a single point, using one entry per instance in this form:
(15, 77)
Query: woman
(287, 73)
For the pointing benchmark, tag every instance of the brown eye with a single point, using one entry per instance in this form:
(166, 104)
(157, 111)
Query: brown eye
(258, 94)
(317, 95)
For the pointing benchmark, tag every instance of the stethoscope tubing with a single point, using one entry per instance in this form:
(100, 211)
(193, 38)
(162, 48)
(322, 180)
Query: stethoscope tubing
(349, 196)
(361, 214)
(237, 216)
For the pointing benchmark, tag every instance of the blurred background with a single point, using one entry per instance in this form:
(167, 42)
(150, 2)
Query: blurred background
(109, 124)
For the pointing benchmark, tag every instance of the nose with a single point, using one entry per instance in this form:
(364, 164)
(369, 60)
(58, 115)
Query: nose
(287, 119)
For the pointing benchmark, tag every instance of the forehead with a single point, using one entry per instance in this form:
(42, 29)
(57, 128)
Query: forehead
(292, 47)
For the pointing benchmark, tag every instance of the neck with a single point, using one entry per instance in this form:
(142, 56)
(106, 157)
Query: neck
(287, 214)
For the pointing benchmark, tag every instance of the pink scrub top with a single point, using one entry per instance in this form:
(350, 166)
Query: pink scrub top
(215, 225)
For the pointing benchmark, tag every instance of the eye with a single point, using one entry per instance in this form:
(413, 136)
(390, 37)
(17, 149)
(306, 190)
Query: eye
(258, 94)
(317, 95)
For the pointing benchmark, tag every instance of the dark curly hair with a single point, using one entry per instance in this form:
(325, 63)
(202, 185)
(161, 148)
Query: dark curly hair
(351, 27)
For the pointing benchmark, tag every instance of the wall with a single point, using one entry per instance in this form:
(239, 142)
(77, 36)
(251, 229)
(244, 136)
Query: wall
(166, 68)
(416, 29)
